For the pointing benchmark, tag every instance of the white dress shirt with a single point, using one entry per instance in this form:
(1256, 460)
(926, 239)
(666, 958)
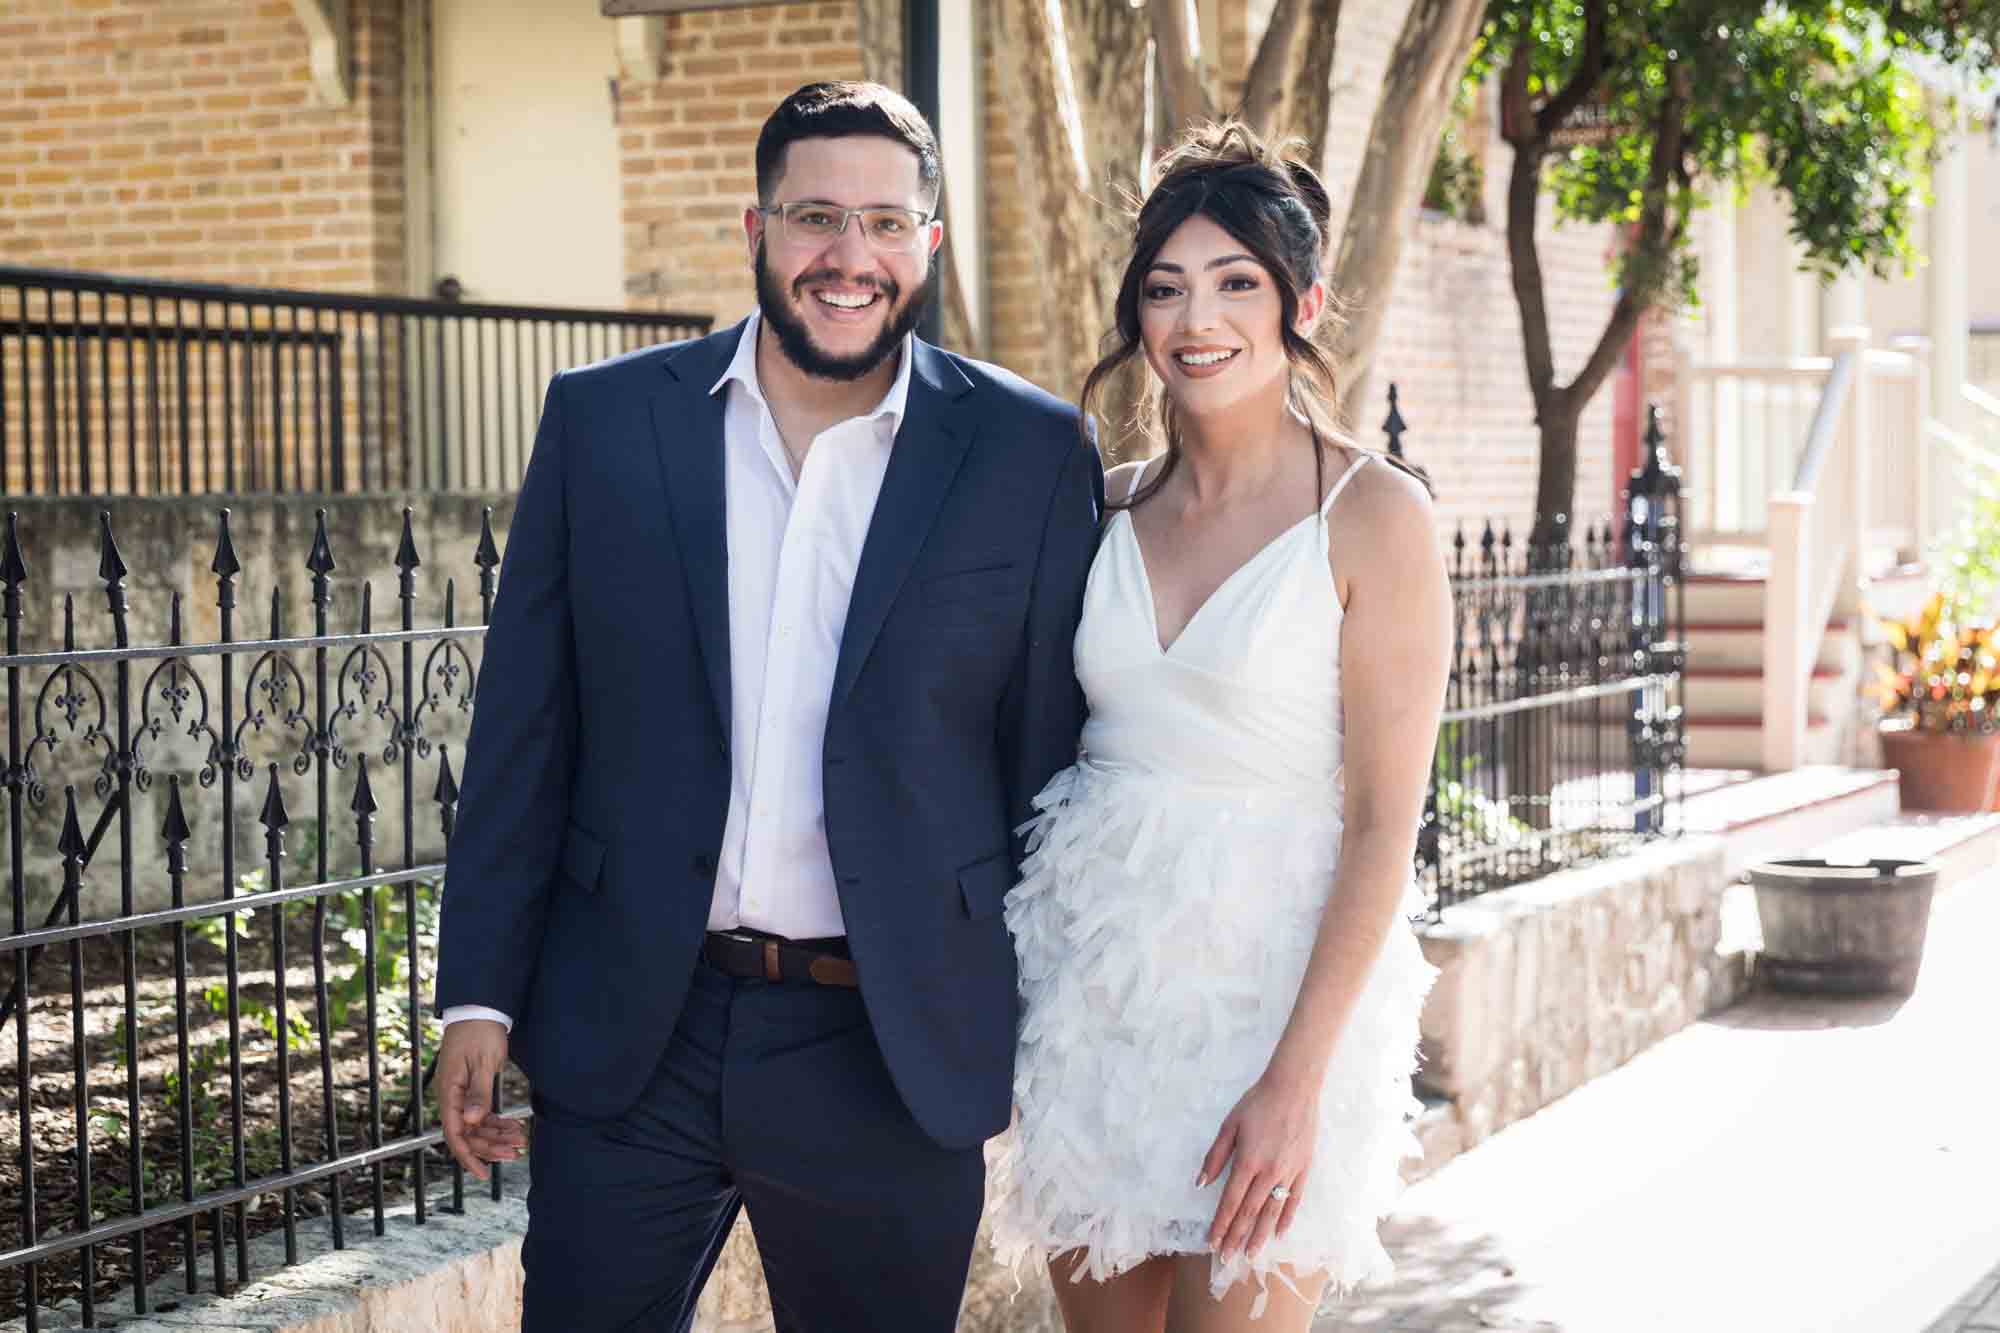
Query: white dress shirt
(794, 547)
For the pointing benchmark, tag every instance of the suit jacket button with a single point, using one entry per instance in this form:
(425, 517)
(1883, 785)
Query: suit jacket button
(703, 864)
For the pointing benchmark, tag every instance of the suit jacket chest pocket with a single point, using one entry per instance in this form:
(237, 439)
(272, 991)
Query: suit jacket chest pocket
(988, 593)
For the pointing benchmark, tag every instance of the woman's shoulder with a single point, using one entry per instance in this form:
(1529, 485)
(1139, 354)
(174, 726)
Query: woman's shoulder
(1378, 495)
(1382, 511)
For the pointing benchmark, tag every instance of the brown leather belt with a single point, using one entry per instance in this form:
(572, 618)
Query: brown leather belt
(768, 958)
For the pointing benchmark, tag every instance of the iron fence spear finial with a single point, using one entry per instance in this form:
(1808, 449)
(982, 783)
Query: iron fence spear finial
(13, 569)
(174, 829)
(487, 557)
(225, 565)
(319, 560)
(1393, 425)
(273, 816)
(110, 566)
(71, 843)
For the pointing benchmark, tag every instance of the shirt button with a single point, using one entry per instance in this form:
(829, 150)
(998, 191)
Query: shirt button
(703, 864)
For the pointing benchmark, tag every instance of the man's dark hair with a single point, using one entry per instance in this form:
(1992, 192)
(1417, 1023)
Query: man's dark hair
(839, 109)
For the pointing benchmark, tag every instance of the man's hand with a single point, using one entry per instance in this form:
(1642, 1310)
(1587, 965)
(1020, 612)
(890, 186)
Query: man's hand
(469, 1063)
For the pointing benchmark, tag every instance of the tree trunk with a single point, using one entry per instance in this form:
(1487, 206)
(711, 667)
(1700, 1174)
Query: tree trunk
(1187, 82)
(1555, 478)
(1310, 101)
(1053, 174)
(1417, 89)
(1559, 407)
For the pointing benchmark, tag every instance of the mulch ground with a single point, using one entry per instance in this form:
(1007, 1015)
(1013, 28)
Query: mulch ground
(53, 1104)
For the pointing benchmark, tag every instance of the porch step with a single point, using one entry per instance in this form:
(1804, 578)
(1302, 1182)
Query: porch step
(1781, 813)
(1736, 740)
(1740, 643)
(1725, 597)
(1723, 691)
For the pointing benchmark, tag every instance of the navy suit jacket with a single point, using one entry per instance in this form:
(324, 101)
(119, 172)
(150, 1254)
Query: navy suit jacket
(597, 773)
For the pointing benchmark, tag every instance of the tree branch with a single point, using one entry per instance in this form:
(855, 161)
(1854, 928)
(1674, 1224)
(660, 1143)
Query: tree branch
(1524, 263)
(1589, 71)
(1311, 95)
(1424, 70)
(1267, 88)
(1185, 81)
(1653, 246)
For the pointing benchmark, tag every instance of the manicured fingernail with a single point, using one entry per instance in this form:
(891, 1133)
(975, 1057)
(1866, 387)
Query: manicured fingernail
(1201, 1179)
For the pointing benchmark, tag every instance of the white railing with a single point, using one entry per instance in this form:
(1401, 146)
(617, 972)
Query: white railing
(1741, 425)
(1982, 403)
(1817, 532)
(1743, 429)
(1900, 504)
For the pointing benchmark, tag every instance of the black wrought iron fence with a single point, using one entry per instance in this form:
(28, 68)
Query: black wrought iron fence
(236, 1040)
(126, 386)
(230, 1042)
(1562, 738)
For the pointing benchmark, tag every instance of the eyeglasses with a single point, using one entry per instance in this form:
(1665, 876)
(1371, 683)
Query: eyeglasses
(893, 229)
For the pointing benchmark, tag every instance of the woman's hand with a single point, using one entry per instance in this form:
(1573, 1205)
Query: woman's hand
(1266, 1143)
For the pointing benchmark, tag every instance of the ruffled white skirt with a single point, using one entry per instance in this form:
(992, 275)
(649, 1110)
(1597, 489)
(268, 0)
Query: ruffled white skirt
(1163, 930)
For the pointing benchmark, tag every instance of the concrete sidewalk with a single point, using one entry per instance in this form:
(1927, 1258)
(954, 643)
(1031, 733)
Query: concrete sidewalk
(1792, 1165)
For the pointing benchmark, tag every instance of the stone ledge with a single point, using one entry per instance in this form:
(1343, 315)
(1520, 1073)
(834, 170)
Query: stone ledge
(1546, 985)
(454, 1274)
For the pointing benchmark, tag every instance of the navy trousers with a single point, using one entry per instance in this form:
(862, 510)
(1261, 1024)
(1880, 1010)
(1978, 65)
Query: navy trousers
(771, 1098)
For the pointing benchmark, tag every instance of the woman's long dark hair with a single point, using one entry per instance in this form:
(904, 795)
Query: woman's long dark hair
(1278, 210)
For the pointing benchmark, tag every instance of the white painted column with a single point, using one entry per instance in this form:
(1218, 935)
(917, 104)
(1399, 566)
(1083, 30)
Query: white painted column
(961, 115)
(1950, 321)
(1740, 484)
(1846, 303)
(1802, 326)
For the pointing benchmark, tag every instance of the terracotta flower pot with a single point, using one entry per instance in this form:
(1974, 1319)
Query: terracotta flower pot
(1944, 771)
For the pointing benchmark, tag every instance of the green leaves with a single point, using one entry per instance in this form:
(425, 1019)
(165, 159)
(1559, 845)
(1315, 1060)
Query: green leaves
(1821, 101)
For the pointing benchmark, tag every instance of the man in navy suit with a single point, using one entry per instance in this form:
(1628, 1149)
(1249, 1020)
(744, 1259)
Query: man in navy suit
(780, 658)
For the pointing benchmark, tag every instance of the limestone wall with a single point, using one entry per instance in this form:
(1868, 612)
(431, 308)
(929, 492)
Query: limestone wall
(1545, 986)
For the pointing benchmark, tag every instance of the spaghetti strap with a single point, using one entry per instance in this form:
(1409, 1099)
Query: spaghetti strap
(1326, 505)
(1138, 476)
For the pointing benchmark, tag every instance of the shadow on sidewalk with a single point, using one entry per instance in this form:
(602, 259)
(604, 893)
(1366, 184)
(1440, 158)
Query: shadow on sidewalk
(1447, 1277)
(1777, 1011)
(1974, 1309)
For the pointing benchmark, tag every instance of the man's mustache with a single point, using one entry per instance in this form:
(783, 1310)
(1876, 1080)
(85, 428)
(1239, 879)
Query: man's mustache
(890, 289)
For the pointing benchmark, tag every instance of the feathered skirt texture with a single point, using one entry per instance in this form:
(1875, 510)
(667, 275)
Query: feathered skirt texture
(1163, 929)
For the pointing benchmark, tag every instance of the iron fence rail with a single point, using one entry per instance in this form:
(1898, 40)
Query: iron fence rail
(1562, 737)
(130, 386)
(306, 710)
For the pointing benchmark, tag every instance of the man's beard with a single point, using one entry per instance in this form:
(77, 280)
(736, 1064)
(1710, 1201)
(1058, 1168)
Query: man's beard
(808, 356)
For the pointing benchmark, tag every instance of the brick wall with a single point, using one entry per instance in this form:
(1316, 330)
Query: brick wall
(184, 139)
(181, 138)
(1014, 291)
(688, 142)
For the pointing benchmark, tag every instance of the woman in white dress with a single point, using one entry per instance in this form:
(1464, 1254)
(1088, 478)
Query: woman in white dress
(1220, 985)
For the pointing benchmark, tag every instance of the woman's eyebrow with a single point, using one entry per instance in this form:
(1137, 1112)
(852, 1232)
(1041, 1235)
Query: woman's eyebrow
(1164, 265)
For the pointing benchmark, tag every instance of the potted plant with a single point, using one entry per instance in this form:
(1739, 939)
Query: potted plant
(1940, 701)
(1940, 693)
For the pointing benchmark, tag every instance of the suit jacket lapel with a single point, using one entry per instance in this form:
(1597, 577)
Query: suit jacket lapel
(687, 432)
(930, 445)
